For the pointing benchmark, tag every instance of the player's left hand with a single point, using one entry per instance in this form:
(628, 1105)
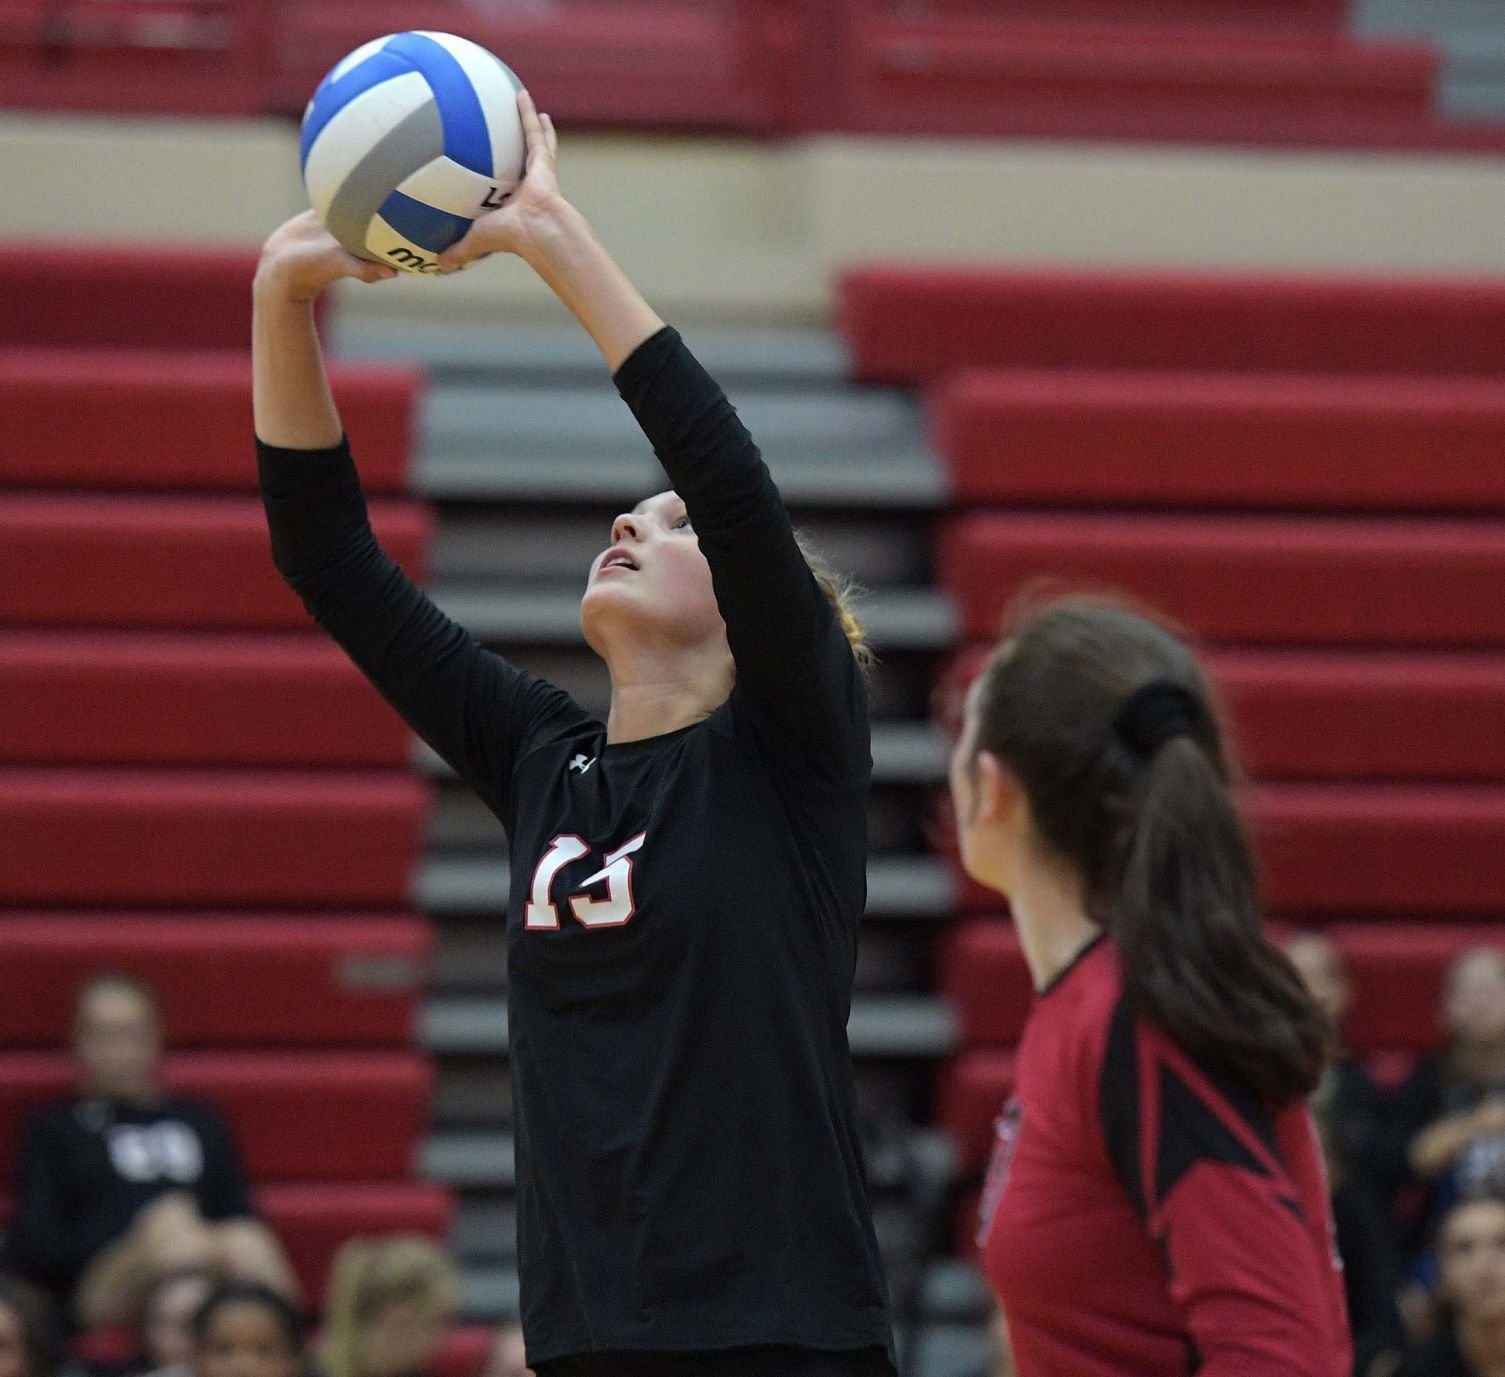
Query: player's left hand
(532, 207)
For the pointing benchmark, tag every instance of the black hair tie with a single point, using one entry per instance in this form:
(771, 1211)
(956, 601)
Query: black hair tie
(1154, 714)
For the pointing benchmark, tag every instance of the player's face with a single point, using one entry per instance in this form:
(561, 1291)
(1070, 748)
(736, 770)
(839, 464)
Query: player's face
(244, 1341)
(653, 577)
(1475, 1001)
(975, 802)
(1473, 1260)
(117, 1043)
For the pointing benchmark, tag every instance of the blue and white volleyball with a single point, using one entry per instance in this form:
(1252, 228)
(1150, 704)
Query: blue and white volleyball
(409, 139)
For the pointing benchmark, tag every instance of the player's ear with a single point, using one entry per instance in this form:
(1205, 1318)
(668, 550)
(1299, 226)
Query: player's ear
(999, 792)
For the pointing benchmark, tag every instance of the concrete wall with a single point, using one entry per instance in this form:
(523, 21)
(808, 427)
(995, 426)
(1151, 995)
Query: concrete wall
(717, 227)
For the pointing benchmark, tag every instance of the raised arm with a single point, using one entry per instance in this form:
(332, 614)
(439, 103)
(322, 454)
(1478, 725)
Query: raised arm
(473, 707)
(794, 664)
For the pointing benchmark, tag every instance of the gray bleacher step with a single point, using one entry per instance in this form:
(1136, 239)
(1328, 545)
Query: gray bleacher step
(903, 753)
(880, 1026)
(522, 350)
(468, 1159)
(954, 1289)
(898, 886)
(897, 619)
(489, 1293)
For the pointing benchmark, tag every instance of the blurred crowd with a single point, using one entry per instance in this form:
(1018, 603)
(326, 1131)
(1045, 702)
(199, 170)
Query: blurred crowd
(135, 1248)
(133, 1217)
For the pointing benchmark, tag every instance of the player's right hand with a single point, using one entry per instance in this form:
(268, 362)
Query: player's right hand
(301, 258)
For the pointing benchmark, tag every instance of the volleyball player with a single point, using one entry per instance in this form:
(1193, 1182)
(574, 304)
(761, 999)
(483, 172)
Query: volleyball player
(686, 878)
(1156, 1202)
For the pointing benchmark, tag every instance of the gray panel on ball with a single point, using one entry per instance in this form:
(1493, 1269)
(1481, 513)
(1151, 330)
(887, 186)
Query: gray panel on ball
(418, 140)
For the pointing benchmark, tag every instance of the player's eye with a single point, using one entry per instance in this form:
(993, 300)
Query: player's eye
(683, 524)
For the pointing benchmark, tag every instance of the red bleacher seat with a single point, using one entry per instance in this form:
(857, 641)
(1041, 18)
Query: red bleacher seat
(1264, 580)
(297, 1116)
(1271, 15)
(1318, 714)
(1007, 76)
(915, 324)
(213, 699)
(175, 563)
(149, 296)
(973, 1089)
(74, 418)
(658, 62)
(312, 1221)
(200, 838)
(1396, 973)
(464, 1354)
(1411, 852)
(347, 980)
(1216, 440)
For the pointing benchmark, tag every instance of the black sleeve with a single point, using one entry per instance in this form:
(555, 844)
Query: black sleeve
(473, 707)
(222, 1190)
(1415, 1105)
(47, 1245)
(794, 664)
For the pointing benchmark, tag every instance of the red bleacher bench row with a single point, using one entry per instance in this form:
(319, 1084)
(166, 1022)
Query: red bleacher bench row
(216, 698)
(1396, 972)
(312, 1220)
(174, 563)
(79, 418)
(907, 324)
(233, 838)
(1212, 84)
(1250, 579)
(1317, 714)
(296, 1116)
(224, 980)
(125, 296)
(1223, 440)
(1423, 853)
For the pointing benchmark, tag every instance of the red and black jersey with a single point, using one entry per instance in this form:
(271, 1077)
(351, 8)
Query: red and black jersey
(1145, 1216)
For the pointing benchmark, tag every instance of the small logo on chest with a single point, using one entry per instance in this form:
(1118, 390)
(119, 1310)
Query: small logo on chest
(582, 763)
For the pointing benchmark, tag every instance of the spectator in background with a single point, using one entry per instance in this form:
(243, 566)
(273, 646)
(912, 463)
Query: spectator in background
(391, 1302)
(167, 1320)
(26, 1331)
(1470, 1342)
(246, 1329)
(1449, 1117)
(123, 1183)
(1348, 1108)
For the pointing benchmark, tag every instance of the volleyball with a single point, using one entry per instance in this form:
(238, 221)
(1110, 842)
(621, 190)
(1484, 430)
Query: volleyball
(406, 141)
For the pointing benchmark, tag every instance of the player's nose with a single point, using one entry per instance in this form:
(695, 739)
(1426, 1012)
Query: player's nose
(626, 527)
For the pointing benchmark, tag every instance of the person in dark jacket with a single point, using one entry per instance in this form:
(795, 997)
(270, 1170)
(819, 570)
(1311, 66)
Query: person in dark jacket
(122, 1182)
(1470, 1341)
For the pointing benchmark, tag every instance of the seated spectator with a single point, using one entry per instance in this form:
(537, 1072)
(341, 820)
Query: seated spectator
(26, 1332)
(391, 1302)
(1449, 1116)
(167, 1320)
(123, 1182)
(1347, 1108)
(1470, 1341)
(245, 1329)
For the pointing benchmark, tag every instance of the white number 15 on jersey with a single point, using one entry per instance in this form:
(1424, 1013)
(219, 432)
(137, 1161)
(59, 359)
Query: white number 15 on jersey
(613, 911)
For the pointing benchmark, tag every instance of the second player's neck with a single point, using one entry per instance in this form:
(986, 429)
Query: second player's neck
(662, 696)
(1051, 921)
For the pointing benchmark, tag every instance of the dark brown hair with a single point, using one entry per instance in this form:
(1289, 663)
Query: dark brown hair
(1165, 863)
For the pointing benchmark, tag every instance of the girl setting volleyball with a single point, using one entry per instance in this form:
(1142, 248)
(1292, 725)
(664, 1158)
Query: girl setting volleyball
(1156, 1202)
(686, 877)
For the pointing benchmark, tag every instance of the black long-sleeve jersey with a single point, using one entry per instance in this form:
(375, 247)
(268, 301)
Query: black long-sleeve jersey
(683, 918)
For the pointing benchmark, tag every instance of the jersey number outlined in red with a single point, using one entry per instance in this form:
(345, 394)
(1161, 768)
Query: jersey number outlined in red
(614, 911)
